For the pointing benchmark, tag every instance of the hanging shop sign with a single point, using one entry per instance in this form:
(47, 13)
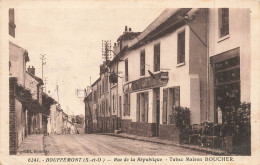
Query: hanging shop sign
(157, 80)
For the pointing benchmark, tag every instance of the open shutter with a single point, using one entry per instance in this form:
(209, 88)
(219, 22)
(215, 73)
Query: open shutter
(138, 107)
(165, 98)
(177, 96)
(124, 105)
(146, 99)
(129, 104)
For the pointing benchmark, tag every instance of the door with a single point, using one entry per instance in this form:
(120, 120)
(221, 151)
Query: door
(157, 109)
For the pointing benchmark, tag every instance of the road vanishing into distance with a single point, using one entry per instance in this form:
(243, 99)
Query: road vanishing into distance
(104, 145)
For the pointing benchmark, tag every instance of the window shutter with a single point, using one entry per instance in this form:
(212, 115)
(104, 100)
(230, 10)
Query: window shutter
(177, 95)
(146, 99)
(129, 104)
(138, 107)
(124, 105)
(165, 97)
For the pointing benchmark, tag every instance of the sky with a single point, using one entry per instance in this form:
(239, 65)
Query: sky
(72, 38)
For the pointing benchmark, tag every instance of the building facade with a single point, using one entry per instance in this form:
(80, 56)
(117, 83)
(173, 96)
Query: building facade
(25, 94)
(229, 53)
(185, 57)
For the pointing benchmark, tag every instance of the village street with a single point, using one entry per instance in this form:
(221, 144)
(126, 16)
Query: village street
(103, 145)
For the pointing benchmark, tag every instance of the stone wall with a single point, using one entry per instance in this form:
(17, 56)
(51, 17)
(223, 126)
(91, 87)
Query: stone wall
(169, 132)
(12, 118)
(143, 129)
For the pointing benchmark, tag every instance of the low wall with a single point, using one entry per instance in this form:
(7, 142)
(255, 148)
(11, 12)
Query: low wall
(169, 132)
(143, 129)
(126, 125)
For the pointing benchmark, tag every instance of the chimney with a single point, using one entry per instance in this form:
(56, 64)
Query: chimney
(12, 25)
(125, 28)
(31, 70)
(116, 49)
(130, 29)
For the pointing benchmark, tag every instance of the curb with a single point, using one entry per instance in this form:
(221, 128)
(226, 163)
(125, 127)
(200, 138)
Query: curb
(205, 150)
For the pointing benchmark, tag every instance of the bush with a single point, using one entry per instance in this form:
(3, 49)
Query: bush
(182, 121)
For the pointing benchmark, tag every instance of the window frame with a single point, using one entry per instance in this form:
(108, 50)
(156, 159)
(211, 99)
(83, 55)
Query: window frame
(142, 62)
(126, 70)
(156, 58)
(181, 55)
(223, 24)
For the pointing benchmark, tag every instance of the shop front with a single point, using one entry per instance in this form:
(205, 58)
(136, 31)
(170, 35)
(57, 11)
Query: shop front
(144, 104)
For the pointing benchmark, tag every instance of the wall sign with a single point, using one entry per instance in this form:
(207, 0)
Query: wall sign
(147, 82)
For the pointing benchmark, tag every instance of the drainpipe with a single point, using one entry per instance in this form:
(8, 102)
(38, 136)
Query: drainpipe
(208, 65)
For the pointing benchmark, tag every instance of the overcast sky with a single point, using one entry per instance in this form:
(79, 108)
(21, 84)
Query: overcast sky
(71, 38)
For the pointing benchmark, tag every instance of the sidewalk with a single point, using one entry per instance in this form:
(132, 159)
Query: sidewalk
(167, 142)
(32, 145)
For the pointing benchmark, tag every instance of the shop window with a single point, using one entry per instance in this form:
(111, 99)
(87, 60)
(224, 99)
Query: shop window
(181, 48)
(223, 15)
(126, 69)
(157, 58)
(142, 63)
(227, 84)
(127, 105)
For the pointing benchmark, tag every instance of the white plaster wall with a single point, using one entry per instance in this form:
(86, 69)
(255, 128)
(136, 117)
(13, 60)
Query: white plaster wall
(239, 29)
(31, 84)
(178, 75)
(16, 57)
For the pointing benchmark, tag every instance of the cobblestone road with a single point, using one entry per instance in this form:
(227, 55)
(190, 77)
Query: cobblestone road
(102, 145)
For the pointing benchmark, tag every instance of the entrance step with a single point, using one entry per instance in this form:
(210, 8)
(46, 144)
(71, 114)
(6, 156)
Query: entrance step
(117, 131)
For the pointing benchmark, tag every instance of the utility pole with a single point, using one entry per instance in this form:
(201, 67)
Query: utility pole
(45, 83)
(57, 89)
(43, 62)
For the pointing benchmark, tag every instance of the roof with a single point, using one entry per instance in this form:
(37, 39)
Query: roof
(88, 97)
(96, 81)
(32, 105)
(174, 21)
(171, 24)
(128, 36)
(24, 50)
(36, 78)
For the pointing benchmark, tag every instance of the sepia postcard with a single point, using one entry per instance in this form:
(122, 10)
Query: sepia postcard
(129, 82)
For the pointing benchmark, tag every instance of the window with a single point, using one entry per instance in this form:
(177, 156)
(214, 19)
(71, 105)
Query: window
(103, 107)
(106, 104)
(126, 69)
(142, 107)
(113, 102)
(156, 58)
(106, 83)
(142, 63)
(95, 96)
(103, 86)
(127, 105)
(223, 15)
(181, 48)
(227, 84)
